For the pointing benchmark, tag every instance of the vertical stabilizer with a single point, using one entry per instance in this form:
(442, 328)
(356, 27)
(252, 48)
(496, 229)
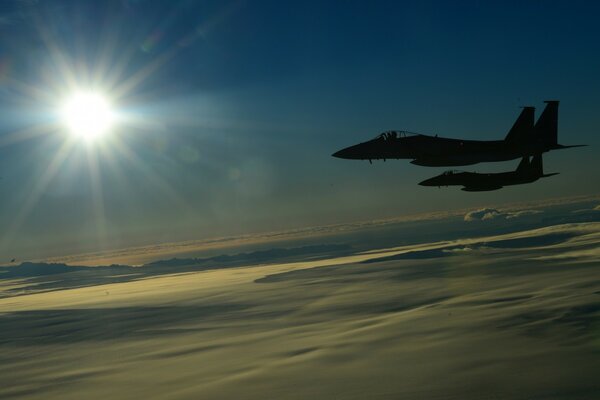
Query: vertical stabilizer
(546, 127)
(536, 165)
(522, 130)
(524, 164)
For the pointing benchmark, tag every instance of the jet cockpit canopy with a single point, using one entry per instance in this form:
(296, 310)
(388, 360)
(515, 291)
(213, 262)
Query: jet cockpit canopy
(390, 135)
(451, 172)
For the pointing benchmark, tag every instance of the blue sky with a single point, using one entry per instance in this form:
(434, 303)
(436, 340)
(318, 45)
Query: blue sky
(237, 107)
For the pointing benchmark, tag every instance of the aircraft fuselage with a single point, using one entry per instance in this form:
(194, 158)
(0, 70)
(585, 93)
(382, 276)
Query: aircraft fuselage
(528, 171)
(524, 139)
(473, 181)
(436, 151)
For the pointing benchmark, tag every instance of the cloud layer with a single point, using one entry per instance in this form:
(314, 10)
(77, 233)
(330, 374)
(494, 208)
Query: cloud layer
(332, 327)
(486, 214)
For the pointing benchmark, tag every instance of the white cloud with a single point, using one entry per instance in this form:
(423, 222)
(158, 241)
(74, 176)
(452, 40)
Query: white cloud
(482, 215)
(462, 249)
(522, 213)
(485, 214)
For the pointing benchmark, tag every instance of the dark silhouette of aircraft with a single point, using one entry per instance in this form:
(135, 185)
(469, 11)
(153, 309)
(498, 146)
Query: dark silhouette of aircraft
(527, 172)
(524, 139)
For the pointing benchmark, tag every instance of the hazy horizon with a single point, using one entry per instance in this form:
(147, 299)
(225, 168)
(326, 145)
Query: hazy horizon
(152, 251)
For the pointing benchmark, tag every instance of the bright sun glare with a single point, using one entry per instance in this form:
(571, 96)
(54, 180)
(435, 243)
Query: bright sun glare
(88, 115)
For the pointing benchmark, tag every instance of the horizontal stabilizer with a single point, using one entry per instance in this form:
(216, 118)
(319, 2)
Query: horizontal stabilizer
(548, 175)
(562, 146)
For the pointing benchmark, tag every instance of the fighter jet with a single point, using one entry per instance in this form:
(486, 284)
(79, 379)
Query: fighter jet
(526, 172)
(524, 139)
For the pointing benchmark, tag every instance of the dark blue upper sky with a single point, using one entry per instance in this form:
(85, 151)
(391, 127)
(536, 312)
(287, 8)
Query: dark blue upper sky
(235, 107)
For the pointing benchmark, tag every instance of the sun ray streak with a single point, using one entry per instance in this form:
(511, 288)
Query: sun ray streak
(97, 197)
(153, 177)
(56, 54)
(141, 75)
(118, 68)
(31, 91)
(28, 133)
(106, 55)
(38, 190)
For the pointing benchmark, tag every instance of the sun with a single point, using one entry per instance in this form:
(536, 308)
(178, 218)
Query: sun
(87, 115)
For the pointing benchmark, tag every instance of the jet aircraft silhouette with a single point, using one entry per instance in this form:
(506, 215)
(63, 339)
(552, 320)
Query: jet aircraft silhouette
(527, 172)
(524, 139)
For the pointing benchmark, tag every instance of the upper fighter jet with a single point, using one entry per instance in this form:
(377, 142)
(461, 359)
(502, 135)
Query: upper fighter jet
(524, 139)
(526, 172)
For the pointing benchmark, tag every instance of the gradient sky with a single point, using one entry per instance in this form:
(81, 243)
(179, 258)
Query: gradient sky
(233, 109)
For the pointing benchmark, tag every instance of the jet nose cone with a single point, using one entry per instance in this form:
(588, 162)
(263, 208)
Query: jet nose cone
(344, 153)
(429, 182)
(338, 154)
(359, 151)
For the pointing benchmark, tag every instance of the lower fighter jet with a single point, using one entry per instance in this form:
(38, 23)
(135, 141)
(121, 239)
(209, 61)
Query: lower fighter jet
(527, 172)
